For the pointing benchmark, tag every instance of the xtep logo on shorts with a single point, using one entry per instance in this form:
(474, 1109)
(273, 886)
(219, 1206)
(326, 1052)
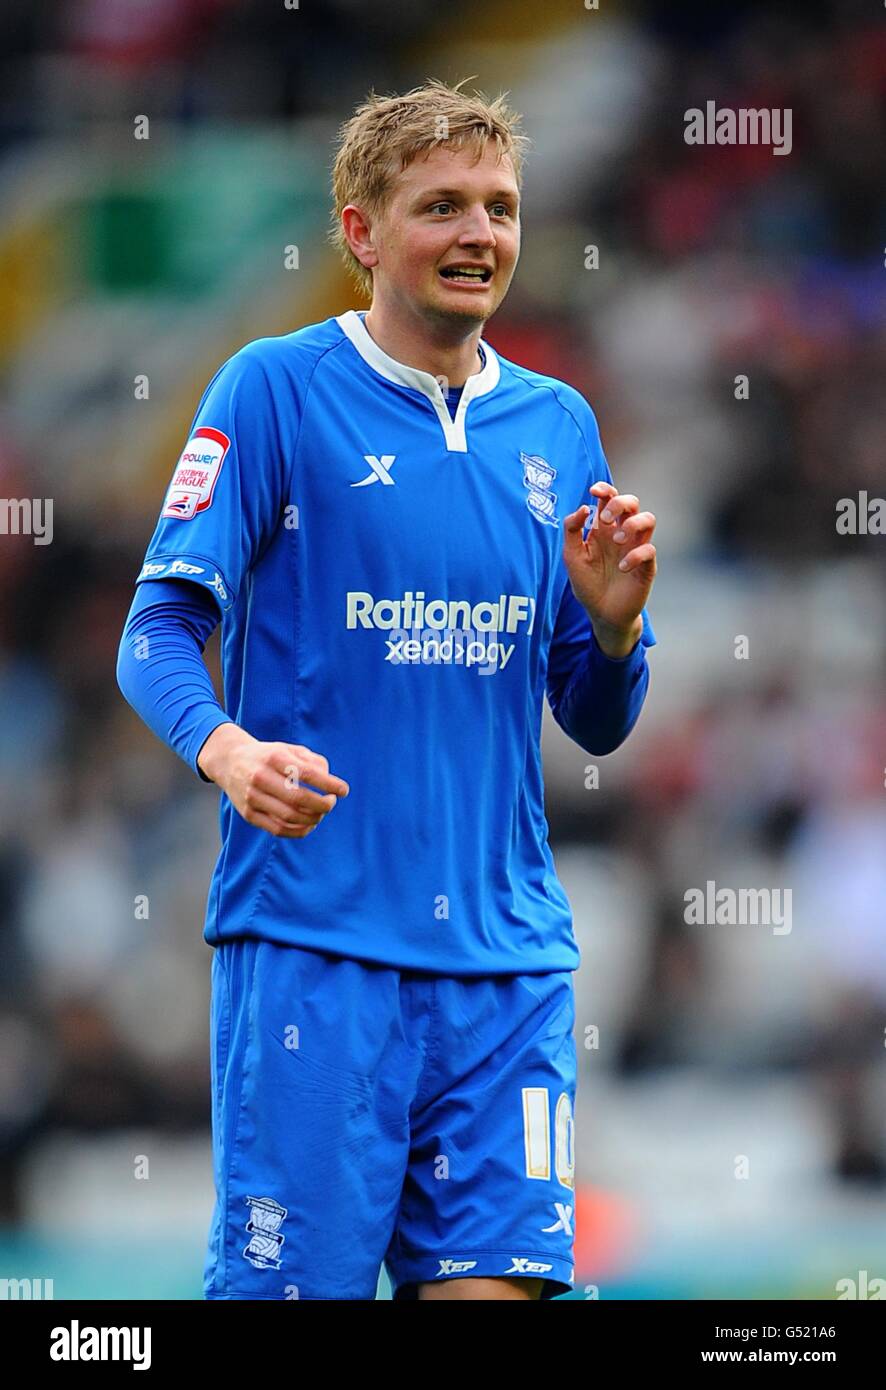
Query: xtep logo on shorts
(452, 631)
(521, 1265)
(455, 1266)
(564, 1219)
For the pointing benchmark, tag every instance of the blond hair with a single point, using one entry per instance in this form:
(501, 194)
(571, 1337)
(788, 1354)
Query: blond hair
(385, 134)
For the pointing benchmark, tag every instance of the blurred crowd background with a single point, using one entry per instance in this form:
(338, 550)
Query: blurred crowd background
(130, 268)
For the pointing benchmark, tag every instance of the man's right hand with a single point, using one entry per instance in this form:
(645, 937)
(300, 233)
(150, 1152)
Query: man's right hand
(265, 782)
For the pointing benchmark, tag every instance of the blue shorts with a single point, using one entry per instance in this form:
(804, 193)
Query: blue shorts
(362, 1114)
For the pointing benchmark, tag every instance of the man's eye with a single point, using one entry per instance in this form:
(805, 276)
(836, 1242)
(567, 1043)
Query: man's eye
(498, 209)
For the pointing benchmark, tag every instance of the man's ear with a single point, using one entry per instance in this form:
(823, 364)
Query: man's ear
(358, 234)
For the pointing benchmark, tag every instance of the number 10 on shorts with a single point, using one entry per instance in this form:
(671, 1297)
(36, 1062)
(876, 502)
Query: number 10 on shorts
(537, 1136)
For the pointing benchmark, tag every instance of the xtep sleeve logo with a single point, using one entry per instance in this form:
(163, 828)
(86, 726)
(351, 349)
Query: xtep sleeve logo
(196, 474)
(380, 470)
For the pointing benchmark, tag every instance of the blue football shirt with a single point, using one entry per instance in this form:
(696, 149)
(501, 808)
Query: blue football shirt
(393, 595)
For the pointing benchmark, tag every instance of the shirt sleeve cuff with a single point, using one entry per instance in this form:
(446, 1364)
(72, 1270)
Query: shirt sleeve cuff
(213, 721)
(635, 655)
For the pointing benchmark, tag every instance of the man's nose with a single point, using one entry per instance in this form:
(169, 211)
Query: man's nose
(478, 230)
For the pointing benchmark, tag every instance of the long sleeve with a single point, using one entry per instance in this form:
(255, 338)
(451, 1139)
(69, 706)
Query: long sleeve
(160, 668)
(596, 699)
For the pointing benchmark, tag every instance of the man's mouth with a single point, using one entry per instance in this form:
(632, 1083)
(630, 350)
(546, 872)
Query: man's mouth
(466, 275)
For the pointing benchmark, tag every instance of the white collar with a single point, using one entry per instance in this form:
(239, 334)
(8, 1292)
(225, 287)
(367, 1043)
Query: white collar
(352, 325)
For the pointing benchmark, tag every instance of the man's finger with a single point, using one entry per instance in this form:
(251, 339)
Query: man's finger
(295, 793)
(300, 768)
(635, 527)
(310, 801)
(274, 826)
(575, 521)
(573, 526)
(264, 801)
(617, 506)
(640, 555)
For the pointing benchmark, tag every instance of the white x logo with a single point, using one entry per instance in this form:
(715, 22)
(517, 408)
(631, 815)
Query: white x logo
(565, 1221)
(379, 468)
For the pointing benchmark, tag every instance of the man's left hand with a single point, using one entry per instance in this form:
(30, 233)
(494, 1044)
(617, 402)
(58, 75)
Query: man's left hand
(611, 572)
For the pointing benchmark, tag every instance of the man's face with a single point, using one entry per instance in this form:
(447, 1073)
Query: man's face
(444, 211)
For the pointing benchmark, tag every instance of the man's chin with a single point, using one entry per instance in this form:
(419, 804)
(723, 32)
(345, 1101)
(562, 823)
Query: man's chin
(459, 309)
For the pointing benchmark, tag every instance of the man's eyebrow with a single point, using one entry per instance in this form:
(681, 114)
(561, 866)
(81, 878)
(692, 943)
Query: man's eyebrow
(508, 194)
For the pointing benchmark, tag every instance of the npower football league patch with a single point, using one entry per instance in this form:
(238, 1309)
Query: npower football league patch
(196, 474)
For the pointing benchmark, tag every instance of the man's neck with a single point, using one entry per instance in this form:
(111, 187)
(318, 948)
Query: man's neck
(454, 361)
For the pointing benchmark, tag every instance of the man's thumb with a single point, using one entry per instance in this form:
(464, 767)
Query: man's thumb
(573, 525)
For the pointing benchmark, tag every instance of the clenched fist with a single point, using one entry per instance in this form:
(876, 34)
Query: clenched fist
(266, 782)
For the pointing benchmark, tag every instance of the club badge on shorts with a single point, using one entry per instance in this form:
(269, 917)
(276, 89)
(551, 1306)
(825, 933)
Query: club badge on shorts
(265, 1218)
